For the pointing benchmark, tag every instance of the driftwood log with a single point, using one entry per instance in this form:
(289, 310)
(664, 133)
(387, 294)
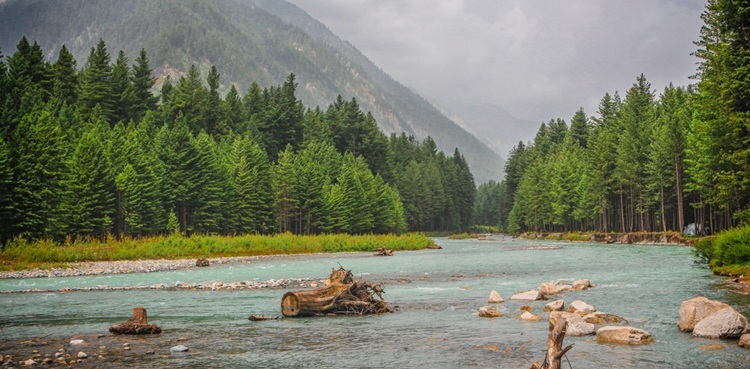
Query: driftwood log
(382, 251)
(341, 296)
(137, 324)
(202, 262)
(555, 352)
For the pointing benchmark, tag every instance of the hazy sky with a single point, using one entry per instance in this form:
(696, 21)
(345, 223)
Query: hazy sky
(535, 59)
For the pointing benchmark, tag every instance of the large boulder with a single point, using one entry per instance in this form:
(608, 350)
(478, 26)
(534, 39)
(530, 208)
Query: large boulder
(725, 323)
(624, 335)
(495, 297)
(549, 288)
(576, 325)
(532, 295)
(581, 284)
(694, 310)
(556, 305)
(580, 307)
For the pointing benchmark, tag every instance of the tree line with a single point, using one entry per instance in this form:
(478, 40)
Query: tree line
(94, 151)
(645, 162)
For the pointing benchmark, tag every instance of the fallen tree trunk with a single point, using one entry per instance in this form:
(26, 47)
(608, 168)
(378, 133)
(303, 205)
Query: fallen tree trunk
(382, 251)
(341, 296)
(555, 352)
(137, 324)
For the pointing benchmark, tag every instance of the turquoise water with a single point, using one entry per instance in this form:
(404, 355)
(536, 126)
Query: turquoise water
(436, 326)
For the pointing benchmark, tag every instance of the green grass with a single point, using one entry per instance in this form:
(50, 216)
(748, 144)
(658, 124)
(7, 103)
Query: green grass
(21, 254)
(462, 236)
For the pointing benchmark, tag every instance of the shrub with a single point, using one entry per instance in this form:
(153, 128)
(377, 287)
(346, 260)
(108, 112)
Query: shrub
(732, 247)
(703, 250)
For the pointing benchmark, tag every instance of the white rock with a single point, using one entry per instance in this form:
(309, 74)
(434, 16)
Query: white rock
(532, 295)
(30, 362)
(694, 310)
(489, 312)
(623, 335)
(495, 297)
(76, 342)
(576, 325)
(725, 323)
(556, 305)
(82, 355)
(179, 348)
(580, 307)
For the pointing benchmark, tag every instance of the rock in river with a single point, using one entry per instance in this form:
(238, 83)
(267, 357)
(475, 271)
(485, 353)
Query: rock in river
(694, 310)
(623, 335)
(179, 348)
(495, 297)
(532, 295)
(556, 305)
(725, 323)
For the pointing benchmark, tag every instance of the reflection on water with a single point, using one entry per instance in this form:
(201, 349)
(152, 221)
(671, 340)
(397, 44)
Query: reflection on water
(437, 291)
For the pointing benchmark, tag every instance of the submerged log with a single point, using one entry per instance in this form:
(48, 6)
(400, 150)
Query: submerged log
(341, 296)
(137, 324)
(555, 352)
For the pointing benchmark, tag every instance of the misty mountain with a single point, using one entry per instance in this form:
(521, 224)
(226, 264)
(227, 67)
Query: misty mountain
(247, 40)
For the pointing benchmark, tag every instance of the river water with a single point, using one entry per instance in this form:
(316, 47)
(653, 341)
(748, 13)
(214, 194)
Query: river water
(437, 291)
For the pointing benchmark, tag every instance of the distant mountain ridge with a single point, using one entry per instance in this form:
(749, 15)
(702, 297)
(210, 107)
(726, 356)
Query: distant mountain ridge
(247, 40)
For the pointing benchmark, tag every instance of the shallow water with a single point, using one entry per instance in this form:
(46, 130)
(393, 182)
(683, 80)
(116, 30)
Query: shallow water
(438, 292)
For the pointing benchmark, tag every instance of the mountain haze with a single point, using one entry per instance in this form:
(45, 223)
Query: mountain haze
(252, 40)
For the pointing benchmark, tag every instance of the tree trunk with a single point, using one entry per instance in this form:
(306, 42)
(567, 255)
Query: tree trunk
(555, 352)
(342, 296)
(680, 201)
(137, 324)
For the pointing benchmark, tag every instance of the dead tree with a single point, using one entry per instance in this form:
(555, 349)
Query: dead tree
(555, 352)
(382, 251)
(137, 324)
(341, 296)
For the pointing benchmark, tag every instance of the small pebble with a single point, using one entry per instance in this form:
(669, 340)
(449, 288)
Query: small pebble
(82, 355)
(76, 342)
(126, 348)
(150, 352)
(179, 348)
(126, 344)
(181, 339)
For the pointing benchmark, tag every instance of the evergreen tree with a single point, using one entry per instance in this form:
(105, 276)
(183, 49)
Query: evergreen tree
(65, 80)
(6, 193)
(95, 86)
(189, 100)
(142, 81)
(122, 90)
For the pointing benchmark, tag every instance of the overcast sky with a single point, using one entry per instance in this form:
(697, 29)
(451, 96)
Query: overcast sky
(535, 59)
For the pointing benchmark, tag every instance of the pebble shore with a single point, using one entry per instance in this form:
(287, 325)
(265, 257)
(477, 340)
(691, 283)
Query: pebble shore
(150, 266)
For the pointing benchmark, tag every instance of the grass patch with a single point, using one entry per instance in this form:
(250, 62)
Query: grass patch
(462, 236)
(21, 254)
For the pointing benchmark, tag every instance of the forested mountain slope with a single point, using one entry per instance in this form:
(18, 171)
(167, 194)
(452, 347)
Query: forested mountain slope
(253, 40)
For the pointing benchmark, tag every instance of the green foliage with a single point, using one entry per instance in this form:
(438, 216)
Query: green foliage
(21, 253)
(732, 247)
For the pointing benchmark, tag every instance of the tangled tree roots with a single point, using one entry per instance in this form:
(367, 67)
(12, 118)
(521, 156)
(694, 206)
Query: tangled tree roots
(137, 324)
(341, 296)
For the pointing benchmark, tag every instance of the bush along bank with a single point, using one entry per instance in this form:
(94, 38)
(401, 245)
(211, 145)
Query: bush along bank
(728, 253)
(644, 238)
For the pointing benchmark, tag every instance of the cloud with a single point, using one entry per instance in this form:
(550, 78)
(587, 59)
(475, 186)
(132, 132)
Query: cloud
(536, 59)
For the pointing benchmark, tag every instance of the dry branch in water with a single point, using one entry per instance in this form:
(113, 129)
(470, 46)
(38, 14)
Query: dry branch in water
(555, 352)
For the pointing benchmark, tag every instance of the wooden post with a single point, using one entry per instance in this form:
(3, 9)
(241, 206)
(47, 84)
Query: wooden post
(137, 324)
(555, 352)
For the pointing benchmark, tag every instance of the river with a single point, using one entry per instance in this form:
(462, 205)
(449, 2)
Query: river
(438, 293)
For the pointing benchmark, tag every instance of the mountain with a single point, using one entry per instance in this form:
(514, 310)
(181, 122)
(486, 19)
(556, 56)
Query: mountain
(247, 40)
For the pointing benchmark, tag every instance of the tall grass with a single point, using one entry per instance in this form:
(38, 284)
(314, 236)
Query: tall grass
(20, 253)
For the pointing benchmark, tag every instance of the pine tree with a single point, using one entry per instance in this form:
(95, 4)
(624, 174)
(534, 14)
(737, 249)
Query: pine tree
(285, 191)
(6, 193)
(189, 100)
(65, 77)
(96, 84)
(142, 81)
(122, 90)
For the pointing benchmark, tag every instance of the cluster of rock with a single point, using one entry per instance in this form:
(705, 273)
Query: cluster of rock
(713, 319)
(582, 317)
(239, 285)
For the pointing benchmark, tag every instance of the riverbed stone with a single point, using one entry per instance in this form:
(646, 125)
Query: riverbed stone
(725, 323)
(179, 348)
(576, 325)
(580, 307)
(549, 288)
(623, 335)
(30, 362)
(529, 317)
(600, 317)
(531, 295)
(495, 298)
(694, 310)
(581, 284)
(745, 340)
(489, 312)
(82, 355)
(76, 342)
(556, 305)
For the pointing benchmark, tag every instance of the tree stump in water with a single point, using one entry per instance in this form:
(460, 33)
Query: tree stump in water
(555, 352)
(137, 324)
(341, 296)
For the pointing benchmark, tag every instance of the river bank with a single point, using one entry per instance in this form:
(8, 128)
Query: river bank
(629, 238)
